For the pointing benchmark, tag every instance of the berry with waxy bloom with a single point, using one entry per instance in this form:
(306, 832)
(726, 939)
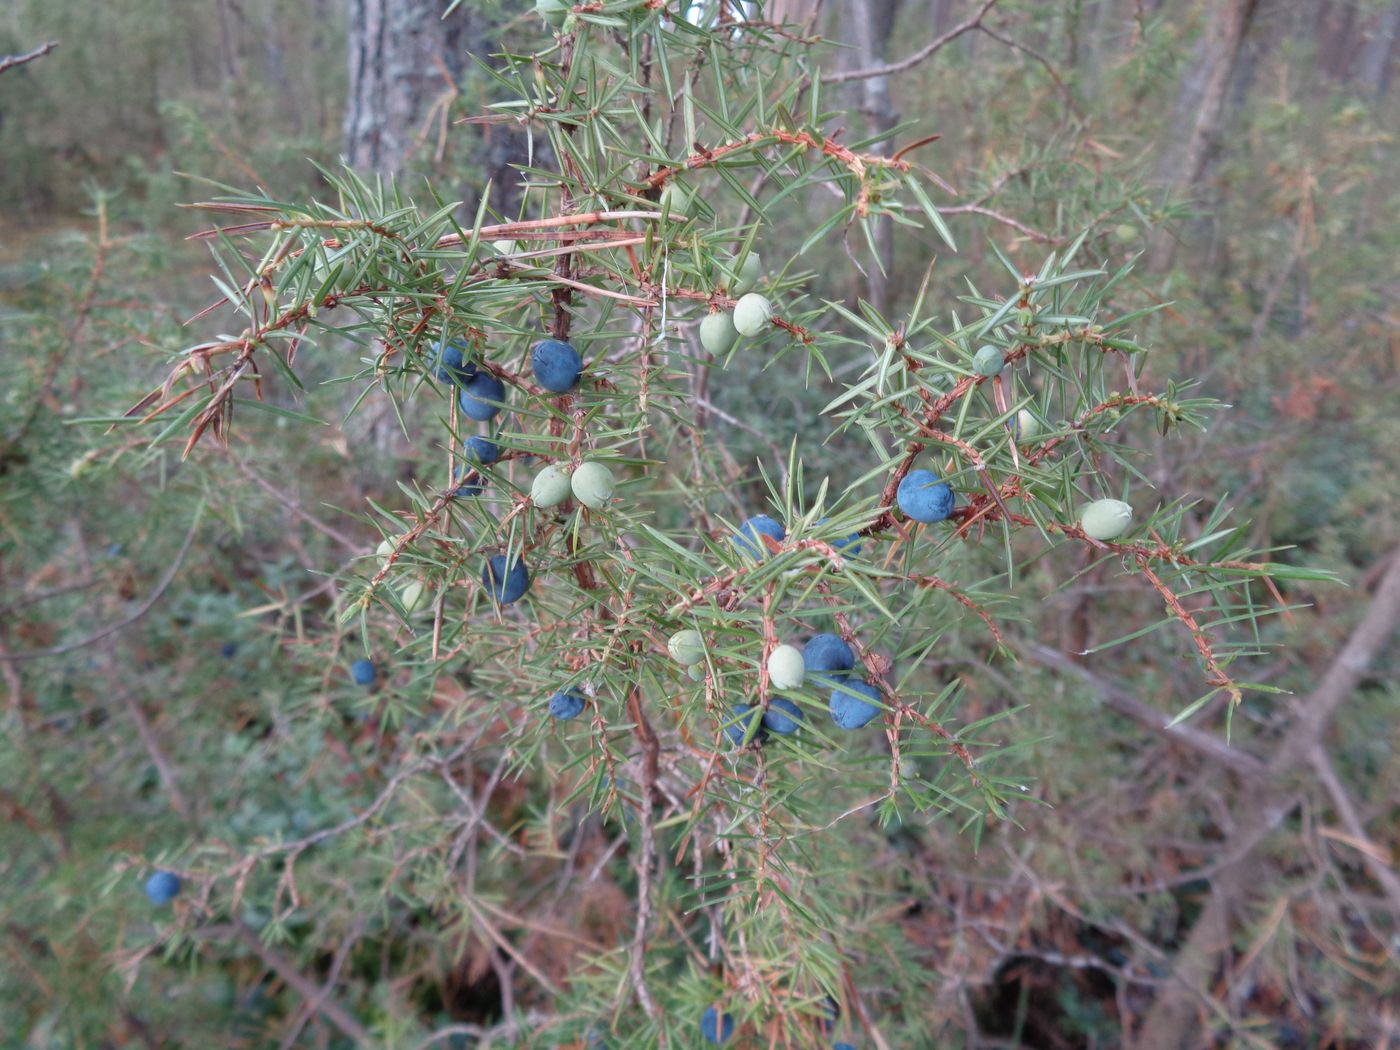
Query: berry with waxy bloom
(828, 655)
(786, 668)
(686, 647)
(739, 724)
(988, 362)
(450, 364)
(550, 487)
(783, 716)
(162, 887)
(923, 497)
(592, 485)
(717, 332)
(854, 704)
(715, 1026)
(1106, 519)
(506, 583)
(566, 704)
(556, 365)
(748, 540)
(753, 314)
(481, 398)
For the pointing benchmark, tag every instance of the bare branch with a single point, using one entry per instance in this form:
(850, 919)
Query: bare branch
(10, 61)
(921, 55)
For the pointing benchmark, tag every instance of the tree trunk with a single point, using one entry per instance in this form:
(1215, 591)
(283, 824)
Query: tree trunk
(1373, 72)
(867, 26)
(1200, 108)
(397, 51)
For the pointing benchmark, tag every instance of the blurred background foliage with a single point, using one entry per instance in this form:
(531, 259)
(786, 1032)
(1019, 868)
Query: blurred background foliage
(222, 707)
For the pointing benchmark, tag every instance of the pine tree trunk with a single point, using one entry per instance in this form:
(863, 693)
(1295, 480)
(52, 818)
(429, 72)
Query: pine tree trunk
(868, 24)
(1200, 107)
(397, 55)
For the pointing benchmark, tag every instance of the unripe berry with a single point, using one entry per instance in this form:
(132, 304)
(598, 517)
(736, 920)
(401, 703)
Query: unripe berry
(550, 487)
(1106, 519)
(363, 672)
(553, 11)
(828, 655)
(675, 199)
(162, 887)
(715, 1026)
(566, 704)
(1126, 233)
(505, 583)
(753, 314)
(747, 538)
(556, 365)
(411, 596)
(481, 398)
(854, 704)
(750, 270)
(696, 672)
(783, 716)
(592, 484)
(922, 497)
(385, 548)
(786, 668)
(686, 647)
(1026, 426)
(988, 361)
(717, 332)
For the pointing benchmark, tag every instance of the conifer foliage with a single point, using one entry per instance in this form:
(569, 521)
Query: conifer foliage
(615, 608)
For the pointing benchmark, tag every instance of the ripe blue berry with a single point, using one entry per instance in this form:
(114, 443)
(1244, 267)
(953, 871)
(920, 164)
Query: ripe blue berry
(843, 1046)
(831, 1012)
(783, 716)
(738, 727)
(747, 538)
(556, 365)
(466, 488)
(923, 497)
(481, 450)
(162, 887)
(506, 584)
(850, 546)
(828, 655)
(715, 1026)
(481, 398)
(566, 704)
(364, 672)
(854, 704)
(450, 364)
(228, 649)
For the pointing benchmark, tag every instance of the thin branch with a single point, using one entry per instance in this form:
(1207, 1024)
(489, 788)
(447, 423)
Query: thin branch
(975, 22)
(120, 625)
(10, 61)
(328, 1008)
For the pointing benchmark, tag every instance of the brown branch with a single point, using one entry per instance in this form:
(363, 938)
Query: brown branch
(304, 986)
(120, 625)
(924, 53)
(11, 61)
(1260, 808)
